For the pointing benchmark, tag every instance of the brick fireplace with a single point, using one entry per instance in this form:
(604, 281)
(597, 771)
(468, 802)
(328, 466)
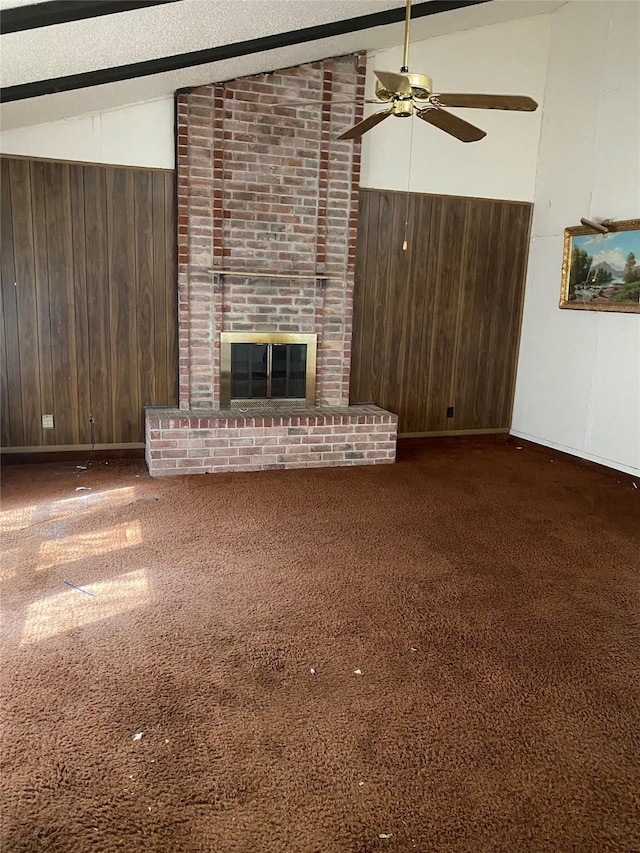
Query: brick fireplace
(267, 218)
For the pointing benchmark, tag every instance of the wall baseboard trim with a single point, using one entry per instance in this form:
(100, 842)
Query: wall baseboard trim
(453, 433)
(70, 453)
(611, 470)
(76, 448)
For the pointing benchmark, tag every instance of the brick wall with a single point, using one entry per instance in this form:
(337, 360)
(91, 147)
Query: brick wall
(264, 186)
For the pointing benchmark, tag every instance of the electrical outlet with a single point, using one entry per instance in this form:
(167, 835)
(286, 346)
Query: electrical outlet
(450, 412)
(47, 422)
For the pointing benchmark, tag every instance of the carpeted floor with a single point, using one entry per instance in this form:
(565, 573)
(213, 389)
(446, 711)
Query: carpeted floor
(441, 655)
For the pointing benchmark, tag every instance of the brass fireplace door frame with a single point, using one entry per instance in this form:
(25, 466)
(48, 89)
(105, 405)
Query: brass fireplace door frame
(228, 338)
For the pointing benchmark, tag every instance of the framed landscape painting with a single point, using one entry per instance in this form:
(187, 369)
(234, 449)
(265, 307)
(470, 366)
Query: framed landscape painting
(601, 272)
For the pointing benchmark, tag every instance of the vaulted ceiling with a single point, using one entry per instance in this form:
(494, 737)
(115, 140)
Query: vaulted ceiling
(55, 63)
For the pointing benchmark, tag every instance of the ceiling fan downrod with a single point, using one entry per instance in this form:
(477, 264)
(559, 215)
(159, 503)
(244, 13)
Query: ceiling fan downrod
(405, 55)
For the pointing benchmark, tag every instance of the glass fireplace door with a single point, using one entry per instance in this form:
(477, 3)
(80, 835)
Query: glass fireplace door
(249, 371)
(288, 371)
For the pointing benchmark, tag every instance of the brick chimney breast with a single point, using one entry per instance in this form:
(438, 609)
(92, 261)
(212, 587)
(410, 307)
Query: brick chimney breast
(266, 187)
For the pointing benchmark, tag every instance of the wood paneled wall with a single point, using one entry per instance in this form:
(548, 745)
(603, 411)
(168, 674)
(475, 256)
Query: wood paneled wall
(89, 307)
(438, 325)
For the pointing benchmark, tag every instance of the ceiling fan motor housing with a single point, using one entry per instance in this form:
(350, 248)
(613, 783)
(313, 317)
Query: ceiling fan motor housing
(421, 88)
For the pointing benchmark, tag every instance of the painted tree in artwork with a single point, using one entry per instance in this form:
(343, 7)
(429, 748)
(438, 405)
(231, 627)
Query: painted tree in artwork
(580, 266)
(631, 278)
(601, 276)
(630, 269)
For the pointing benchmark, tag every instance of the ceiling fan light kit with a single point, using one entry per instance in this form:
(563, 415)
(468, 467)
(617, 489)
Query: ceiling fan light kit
(406, 94)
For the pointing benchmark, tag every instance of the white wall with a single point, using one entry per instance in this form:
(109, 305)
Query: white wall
(137, 135)
(578, 382)
(507, 58)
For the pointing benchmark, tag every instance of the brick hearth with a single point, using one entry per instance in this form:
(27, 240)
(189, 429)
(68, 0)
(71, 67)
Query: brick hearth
(181, 442)
(267, 188)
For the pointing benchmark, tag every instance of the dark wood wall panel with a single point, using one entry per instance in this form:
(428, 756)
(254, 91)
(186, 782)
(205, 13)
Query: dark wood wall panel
(89, 310)
(60, 261)
(143, 201)
(41, 271)
(98, 303)
(12, 407)
(81, 303)
(125, 396)
(437, 325)
(167, 344)
(163, 259)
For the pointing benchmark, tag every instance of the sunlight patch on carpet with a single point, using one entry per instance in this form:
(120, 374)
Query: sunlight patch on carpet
(83, 502)
(69, 609)
(56, 552)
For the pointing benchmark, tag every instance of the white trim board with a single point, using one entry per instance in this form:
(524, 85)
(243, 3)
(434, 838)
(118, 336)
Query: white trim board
(590, 457)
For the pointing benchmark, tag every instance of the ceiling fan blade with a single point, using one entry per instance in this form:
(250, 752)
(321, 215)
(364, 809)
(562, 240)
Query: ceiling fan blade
(367, 124)
(489, 102)
(399, 84)
(451, 124)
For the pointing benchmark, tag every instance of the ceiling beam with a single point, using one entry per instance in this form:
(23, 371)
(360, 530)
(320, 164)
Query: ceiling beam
(36, 15)
(23, 91)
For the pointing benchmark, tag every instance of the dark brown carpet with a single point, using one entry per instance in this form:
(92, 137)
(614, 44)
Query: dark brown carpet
(488, 596)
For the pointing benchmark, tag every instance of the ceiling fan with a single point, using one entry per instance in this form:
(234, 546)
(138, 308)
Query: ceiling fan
(408, 93)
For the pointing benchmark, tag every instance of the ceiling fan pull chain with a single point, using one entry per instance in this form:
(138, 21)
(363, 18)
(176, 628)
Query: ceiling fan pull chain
(405, 244)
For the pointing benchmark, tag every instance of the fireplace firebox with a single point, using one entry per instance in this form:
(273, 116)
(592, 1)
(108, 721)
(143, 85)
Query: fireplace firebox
(266, 370)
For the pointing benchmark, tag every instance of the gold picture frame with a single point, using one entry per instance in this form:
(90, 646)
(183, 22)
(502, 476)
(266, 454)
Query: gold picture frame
(601, 272)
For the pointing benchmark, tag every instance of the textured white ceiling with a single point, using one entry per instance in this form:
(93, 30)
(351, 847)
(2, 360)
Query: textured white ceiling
(10, 4)
(190, 25)
(163, 30)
